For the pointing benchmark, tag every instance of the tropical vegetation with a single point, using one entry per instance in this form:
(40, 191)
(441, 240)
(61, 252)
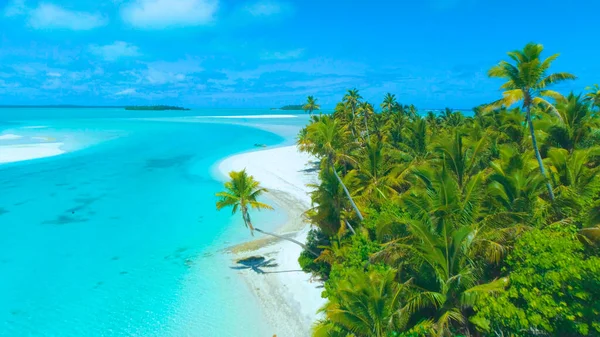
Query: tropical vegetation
(450, 224)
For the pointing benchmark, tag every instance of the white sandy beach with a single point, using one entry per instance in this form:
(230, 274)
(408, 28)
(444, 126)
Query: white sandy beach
(14, 153)
(289, 297)
(10, 136)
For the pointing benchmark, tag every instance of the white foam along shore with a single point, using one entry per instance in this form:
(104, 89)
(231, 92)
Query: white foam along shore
(20, 152)
(288, 297)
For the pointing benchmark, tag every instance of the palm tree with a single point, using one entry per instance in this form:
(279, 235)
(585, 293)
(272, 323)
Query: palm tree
(326, 139)
(352, 99)
(515, 185)
(443, 236)
(593, 96)
(575, 124)
(374, 178)
(311, 105)
(389, 103)
(241, 193)
(527, 80)
(364, 305)
(366, 109)
(462, 159)
(446, 252)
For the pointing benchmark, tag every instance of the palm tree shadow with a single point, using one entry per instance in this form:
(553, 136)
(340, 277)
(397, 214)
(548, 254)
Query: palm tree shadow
(256, 263)
(314, 166)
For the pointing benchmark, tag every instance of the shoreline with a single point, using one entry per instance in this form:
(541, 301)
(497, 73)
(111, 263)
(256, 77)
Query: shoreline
(288, 297)
(23, 152)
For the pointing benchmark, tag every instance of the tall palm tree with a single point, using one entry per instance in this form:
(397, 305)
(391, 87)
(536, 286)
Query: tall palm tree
(241, 193)
(366, 110)
(527, 80)
(311, 105)
(352, 99)
(593, 96)
(389, 103)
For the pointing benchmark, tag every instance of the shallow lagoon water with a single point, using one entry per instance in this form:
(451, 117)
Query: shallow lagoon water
(120, 237)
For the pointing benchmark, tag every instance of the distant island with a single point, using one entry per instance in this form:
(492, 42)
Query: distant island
(155, 107)
(290, 107)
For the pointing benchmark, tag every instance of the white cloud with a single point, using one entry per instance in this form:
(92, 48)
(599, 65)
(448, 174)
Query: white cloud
(266, 8)
(156, 14)
(14, 8)
(48, 16)
(118, 49)
(156, 76)
(285, 55)
(126, 92)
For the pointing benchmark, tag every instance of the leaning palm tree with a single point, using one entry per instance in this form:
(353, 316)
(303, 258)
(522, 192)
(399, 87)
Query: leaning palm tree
(311, 105)
(326, 139)
(527, 80)
(241, 193)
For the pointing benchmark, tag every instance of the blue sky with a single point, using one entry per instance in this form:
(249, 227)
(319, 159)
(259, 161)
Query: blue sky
(266, 53)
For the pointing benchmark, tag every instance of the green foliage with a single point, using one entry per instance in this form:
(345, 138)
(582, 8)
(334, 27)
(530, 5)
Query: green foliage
(364, 305)
(554, 288)
(314, 241)
(457, 206)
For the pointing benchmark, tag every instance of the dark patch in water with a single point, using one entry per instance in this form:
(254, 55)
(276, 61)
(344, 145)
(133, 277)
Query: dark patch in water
(3, 211)
(182, 256)
(65, 220)
(16, 312)
(83, 203)
(21, 202)
(98, 284)
(61, 184)
(123, 273)
(53, 194)
(168, 162)
(114, 258)
(73, 188)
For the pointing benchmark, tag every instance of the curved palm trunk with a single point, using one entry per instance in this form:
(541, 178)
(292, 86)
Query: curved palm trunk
(288, 239)
(347, 193)
(350, 226)
(537, 151)
(248, 222)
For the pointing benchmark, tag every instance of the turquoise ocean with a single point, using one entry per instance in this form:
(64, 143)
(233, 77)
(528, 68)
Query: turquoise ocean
(120, 236)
